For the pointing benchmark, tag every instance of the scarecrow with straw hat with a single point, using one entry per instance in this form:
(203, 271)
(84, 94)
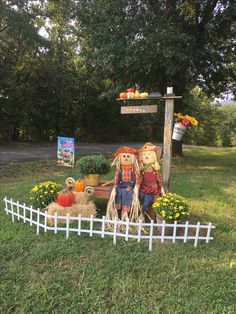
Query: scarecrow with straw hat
(124, 195)
(151, 185)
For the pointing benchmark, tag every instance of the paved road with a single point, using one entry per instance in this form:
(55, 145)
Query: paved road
(18, 153)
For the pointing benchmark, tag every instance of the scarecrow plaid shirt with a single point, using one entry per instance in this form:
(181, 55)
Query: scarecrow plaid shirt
(125, 175)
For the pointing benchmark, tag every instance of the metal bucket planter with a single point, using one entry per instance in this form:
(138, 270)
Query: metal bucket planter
(92, 179)
(178, 132)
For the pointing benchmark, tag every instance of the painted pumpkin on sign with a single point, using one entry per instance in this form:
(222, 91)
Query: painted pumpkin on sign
(65, 199)
(79, 185)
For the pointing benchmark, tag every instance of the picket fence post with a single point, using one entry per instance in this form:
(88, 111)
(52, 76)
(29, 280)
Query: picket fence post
(163, 231)
(18, 210)
(151, 233)
(45, 220)
(197, 234)
(127, 230)
(208, 232)
(79, 225)
(91, 226)
(38, 221)
(55, 222)
(114, 234)
(103, 226)
(12, 211)
(174, 231)
(24, 212)
(67, 225)
(139, 229)
(31, 213)
(186, 231)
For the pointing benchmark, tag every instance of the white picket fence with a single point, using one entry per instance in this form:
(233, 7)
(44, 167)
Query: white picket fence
(129, 230)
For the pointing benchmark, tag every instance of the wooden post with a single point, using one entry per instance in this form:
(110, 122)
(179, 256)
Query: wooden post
(167, 141)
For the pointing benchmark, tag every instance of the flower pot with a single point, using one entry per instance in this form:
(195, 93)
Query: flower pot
(178, 132)
(92, 179)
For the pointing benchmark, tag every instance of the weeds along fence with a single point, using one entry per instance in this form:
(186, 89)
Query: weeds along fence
(114, 228)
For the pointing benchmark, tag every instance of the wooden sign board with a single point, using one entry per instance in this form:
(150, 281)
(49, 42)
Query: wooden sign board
(138, 109)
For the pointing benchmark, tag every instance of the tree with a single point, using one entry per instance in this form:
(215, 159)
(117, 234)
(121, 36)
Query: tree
(160, 43)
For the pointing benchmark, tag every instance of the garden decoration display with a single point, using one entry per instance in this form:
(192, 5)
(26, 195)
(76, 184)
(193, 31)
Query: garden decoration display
(92, 167)
(124, 195)
(44, 193)
(72, 203)
(151, 184)
(181, 124)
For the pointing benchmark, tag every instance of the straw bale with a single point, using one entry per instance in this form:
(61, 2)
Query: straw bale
(74, 210)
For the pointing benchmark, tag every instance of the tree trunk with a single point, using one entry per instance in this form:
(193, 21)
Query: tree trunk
(177, 149)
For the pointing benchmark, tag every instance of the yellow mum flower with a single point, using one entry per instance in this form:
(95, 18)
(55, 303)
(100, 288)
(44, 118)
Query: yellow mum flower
(177, 215)
(163, 213)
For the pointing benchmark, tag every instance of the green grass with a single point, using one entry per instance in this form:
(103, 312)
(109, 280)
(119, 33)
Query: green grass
(49, 274)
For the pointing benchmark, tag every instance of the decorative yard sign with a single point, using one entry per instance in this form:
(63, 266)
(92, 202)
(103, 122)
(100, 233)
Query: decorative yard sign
(138, 109)
(66, 151)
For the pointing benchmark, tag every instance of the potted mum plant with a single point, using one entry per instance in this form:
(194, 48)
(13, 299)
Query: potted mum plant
(92, 167)
(181, 124)
(171, 207)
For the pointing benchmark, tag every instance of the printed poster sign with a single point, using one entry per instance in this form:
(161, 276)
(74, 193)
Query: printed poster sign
(66, 151)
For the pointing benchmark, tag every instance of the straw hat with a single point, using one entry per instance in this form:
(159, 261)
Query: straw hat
(126, 150)
(151, 147)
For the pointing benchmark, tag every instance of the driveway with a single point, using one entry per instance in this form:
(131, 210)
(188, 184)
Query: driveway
(18, 153)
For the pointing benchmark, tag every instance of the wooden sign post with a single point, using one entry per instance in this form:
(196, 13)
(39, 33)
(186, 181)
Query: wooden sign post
(167, 141)
(169, 118)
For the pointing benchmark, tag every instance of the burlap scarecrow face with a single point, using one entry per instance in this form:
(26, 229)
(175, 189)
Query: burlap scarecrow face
(150, 154)
(148, 157)
(126, 159)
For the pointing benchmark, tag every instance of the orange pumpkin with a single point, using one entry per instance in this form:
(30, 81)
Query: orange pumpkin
(79, 185)
(65, 199)
(123, 95)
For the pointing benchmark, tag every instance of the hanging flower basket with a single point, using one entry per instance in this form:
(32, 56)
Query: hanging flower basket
(181, 124)
(178, 132)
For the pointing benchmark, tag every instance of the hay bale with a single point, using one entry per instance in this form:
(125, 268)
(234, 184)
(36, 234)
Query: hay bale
(81, 198)
(86, 210)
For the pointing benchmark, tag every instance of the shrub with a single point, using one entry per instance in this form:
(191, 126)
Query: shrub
(94, 164)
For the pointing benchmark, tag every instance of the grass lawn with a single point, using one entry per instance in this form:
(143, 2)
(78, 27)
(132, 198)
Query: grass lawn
(49, 274)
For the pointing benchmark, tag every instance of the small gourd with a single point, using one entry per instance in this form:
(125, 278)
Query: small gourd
(79, 185)
(137, 94)
(144, 95)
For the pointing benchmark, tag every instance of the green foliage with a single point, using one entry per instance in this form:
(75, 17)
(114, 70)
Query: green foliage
(43, 194)
(66, 82)
(172, 207)
(94, 164)
(217, 124)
